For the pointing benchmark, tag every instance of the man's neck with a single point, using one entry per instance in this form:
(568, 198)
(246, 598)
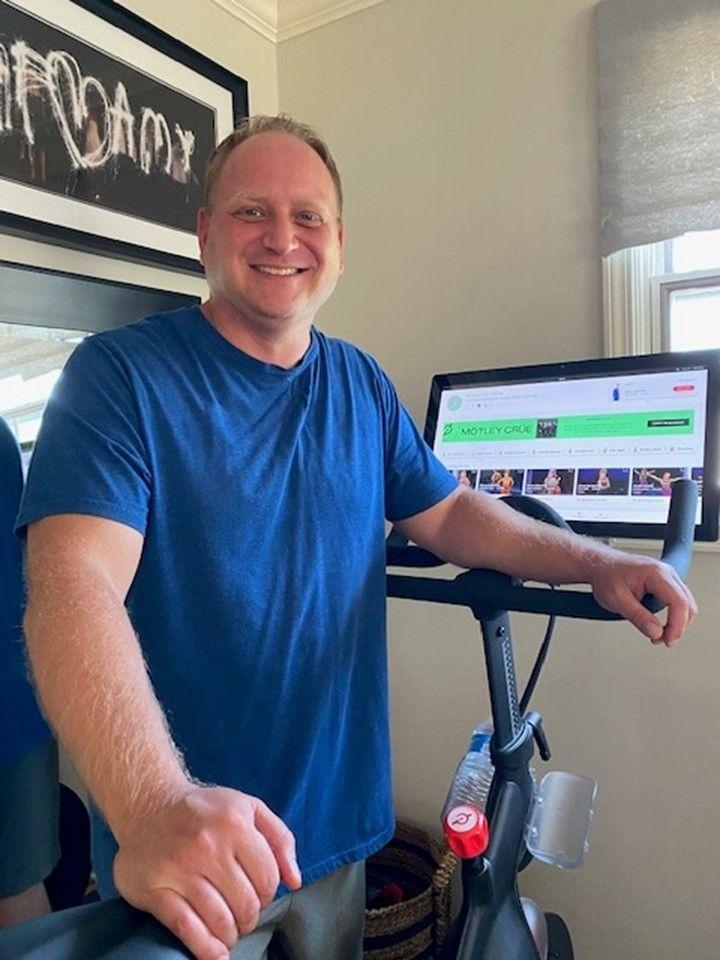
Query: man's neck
(283, 348)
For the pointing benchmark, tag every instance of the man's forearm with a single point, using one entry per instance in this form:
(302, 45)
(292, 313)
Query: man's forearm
(95, 690)
(204, 860)
(476, 530)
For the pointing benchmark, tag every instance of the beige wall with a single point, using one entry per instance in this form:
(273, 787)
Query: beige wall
(469, 154)
(465, 130)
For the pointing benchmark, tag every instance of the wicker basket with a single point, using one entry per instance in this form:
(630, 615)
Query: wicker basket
(415, 928)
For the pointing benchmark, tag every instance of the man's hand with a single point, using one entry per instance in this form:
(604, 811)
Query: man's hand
(205, 864)
(621, 581)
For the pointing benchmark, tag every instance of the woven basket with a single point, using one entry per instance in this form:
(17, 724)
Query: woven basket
(415, 928)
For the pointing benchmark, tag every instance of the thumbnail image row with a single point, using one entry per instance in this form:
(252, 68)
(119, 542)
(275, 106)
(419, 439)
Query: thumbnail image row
(583, 482)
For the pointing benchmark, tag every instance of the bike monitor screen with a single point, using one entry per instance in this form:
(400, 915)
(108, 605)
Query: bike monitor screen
(602, 441)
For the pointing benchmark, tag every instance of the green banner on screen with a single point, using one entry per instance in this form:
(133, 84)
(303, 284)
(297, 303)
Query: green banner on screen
(655, 424)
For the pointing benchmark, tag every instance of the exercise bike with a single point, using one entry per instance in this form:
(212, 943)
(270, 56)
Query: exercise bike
(494, 923)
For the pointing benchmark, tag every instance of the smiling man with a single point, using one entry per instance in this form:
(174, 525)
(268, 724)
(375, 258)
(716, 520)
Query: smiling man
(271, 241)
(207, 590)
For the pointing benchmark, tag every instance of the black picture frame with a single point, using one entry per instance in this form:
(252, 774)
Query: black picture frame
(84, 160)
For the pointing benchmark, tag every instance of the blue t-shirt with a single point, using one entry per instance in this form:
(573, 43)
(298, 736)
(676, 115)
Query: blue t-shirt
(259, 598)
(21, 726)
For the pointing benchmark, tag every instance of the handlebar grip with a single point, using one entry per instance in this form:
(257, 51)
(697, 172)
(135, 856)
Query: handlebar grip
(680, 532)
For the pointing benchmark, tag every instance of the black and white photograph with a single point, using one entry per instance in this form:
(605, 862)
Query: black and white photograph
(104, 135)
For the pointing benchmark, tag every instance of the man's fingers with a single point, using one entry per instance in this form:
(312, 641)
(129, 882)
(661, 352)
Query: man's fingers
(174, 912)
(207, 866)
(255, 868)
(282, 843)
(242, 897)
(622, 594)
(209, 904)
(629, 606)
(679, 611)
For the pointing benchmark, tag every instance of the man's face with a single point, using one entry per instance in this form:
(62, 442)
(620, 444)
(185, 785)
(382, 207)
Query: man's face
(271, 242)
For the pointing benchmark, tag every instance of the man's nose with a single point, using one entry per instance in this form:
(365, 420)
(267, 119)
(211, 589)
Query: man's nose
(280, 235)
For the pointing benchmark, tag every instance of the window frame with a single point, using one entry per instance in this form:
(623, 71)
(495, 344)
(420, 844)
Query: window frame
(46, 297)
(665, 285)
(637, 286)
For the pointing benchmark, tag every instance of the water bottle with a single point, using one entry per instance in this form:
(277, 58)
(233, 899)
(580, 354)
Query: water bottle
(463, 817)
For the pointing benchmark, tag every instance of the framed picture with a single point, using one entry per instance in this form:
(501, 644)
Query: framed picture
(106, 124)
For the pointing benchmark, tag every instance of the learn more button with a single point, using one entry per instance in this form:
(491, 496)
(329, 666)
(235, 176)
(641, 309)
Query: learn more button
(670, 422)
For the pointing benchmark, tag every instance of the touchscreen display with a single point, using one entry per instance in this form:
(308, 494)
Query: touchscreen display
(601, 449)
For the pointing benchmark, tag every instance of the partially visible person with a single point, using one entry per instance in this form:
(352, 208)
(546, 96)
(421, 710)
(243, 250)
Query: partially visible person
(506, 482)
(29, 848)
(602, 484)
(665, 481)
(551, 483)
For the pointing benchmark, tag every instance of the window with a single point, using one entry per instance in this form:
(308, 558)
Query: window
(663, 296)
(45, 313)
(31, 359)
(689, 295)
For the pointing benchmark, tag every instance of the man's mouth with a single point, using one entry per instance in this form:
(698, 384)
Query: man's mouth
(278, 271)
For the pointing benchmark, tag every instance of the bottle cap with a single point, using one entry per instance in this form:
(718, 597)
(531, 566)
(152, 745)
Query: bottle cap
(466, 830)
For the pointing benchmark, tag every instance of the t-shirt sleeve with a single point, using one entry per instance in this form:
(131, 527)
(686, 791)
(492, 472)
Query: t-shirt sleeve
(90, 457)
(415, 480)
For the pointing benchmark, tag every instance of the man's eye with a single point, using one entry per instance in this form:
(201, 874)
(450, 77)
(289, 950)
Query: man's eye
(249, 213)
(309, 218)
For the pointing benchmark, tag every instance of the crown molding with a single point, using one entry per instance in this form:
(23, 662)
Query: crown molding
(260, 15)
(279, 20)
(301, 16)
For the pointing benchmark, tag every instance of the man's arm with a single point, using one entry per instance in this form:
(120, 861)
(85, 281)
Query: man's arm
(475, 530)
(203, 860)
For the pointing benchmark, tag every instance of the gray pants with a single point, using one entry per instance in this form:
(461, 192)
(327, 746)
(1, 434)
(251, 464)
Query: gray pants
(321, 922)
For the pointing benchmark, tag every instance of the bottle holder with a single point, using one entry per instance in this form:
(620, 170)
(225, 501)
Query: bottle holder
(557, 831)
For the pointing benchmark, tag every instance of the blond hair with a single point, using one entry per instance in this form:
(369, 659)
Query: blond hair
(252, 126)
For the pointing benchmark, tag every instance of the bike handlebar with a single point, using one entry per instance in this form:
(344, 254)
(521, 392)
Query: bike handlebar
(488, 590)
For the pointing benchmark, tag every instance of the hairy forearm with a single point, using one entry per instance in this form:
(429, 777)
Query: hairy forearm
(477, 530)
(95, 690)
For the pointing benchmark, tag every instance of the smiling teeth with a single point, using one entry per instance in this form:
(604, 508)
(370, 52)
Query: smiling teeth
(279, 271)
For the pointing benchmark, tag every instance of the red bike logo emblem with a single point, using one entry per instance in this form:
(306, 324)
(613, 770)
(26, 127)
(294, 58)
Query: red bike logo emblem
(462, 818)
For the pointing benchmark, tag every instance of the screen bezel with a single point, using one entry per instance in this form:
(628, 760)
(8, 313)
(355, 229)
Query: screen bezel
(709, 360)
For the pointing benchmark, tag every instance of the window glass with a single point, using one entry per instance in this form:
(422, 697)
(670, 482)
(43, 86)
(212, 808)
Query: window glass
(696, 251)
(31, 359)
(695, 318)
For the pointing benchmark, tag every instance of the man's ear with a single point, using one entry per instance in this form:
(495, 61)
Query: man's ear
(202, 227)
(341, 240)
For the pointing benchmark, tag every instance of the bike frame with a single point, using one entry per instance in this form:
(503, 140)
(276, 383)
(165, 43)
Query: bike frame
(491, 924)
